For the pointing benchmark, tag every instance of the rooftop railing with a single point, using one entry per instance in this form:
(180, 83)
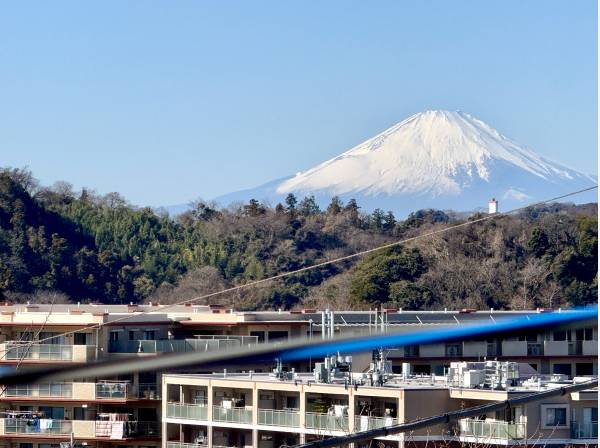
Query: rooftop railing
(232, 415)
(272, 417)
(326, 422)
(491, 429)
(187, 411)
(202, 343)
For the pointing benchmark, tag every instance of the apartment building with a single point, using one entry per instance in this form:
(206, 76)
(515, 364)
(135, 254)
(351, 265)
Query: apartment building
(126, 410)
(270, 410)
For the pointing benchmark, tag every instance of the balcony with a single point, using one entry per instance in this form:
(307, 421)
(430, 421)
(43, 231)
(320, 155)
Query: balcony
(12, 351)
(51, 390)
(491, 429)
(556, 348)
(232, 415)
(187, 411)
(272, 417)
(81, 391)
(201, 343)
(326, 422)
(86, 429)
(584, 430)
(365, 423)
(33, 427)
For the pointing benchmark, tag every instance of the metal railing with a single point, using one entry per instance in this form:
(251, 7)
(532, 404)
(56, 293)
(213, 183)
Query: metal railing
(272, 417)
(491, 429)
(18, 351)
(148, 391)
(584, 430)
(326, 422)
(202, 343)
(58, 390)
(37, 426)
(364, 423)
(112, 390)
(143, 429)
(232, 415)
(187, 411)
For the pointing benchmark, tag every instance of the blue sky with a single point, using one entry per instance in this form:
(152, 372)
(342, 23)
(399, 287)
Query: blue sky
(169, 101)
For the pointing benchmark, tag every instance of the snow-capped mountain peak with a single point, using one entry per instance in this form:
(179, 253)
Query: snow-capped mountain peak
(437, 158)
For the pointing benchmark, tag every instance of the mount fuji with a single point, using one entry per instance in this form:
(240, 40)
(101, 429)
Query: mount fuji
(434, 159)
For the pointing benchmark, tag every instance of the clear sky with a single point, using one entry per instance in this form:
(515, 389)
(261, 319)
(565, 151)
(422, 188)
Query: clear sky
(169, 101)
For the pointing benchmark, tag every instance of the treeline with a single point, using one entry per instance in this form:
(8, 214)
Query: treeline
(99, 248)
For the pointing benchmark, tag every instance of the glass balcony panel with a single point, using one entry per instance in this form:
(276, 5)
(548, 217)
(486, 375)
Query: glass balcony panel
(272, 417)
(187, 411)
(232, 415)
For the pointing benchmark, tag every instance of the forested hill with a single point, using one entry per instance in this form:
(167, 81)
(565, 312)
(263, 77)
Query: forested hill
(78, 246)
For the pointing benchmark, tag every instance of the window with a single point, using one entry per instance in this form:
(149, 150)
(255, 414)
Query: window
(564, 369)
(259, 334)
(555, 416)
(113, 336)
(78, 414)
(149, 335)
(53, 412)
(131, 335)
(560, 335)
(25, 445)
(584, 334)
(56, 339)
(277, 335)
(584, 368)
(590, 415)
(82, 339)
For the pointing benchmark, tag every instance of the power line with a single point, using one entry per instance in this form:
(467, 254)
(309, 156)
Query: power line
(329, 262)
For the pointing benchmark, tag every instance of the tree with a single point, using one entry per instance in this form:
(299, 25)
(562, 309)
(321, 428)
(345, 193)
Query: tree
(377, 218)
(290, 202)
(538, 242)
(254, 208)
(372, 278)
(335, 206)
(308, 206)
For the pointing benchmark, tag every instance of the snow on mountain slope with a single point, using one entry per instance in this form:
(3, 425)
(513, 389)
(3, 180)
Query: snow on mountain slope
(437, 159)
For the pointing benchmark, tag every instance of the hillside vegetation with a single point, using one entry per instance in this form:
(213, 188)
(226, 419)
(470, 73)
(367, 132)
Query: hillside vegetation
(88, 247)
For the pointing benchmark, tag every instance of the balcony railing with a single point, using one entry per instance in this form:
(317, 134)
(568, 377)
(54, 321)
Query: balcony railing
(54, 390)
(576, 348)
(149, 391)
(79, 428)
(42, 352)
(202, 344)
(187, 411)
(364, 423)
(326, 422)
(491, 429)
(112, 390)
(232, 415)
(584, 430)
(272, 417)
(37, 426)
(535, 349)
(186, 445)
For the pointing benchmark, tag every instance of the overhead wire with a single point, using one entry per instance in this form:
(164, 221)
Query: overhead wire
(326, 262)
